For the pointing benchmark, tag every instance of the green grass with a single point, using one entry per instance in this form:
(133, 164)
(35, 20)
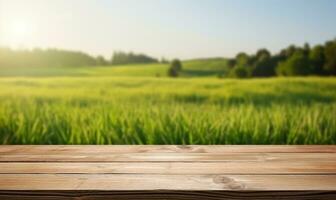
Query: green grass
(205, 67)
(141, 70)
(97, 107)
(192, 68)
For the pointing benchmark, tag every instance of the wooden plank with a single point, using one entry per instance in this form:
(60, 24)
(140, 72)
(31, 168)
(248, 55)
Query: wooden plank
(172, 172)
(305, 167)
(134, 182)
(168, 195)
(93, 149)
(166, 157)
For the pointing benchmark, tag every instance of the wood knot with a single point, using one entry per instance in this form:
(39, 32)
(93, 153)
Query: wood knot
(222, 179)
(228, 183)
(192, 149)
(185, 147)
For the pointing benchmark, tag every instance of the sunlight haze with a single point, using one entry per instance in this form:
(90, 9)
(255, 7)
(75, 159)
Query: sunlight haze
(165, 28)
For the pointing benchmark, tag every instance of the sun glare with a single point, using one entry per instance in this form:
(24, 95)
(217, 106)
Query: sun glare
(18, 33)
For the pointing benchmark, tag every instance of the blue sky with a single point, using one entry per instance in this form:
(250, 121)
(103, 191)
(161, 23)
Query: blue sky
(170, 28)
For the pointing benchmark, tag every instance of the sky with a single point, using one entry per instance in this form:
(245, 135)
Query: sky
(166, 28)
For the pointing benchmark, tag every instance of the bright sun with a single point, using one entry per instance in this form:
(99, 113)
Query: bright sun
(18, 33)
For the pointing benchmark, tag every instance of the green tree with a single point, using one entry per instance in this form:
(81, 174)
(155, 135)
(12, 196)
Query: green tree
(231, 63)
(330, 56)
(242, 60)
(261, 53)
(297, 65)
(44, 58)
(306, 49)
(122, 58)
(289, 51)
(175, 68)
(239, 72)
(317, 59)
(100, 60)
(263, 65)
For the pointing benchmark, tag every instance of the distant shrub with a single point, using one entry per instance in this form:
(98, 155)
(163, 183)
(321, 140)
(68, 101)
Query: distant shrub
(175, 68)
(239, 72)
(100, 61)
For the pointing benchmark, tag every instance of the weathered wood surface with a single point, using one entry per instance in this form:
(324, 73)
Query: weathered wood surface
(175, 172)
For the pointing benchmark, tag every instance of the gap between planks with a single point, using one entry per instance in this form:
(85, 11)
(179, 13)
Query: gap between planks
(166, 194)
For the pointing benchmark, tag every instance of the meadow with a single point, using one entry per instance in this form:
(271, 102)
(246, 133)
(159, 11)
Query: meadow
(139, 105)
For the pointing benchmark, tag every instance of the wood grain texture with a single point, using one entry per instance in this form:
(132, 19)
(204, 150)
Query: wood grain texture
(257, 167)
(166, 157)
(172, 172)
(165, 182)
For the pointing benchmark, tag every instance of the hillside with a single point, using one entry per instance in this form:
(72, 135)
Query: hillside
(191, 68)
(205, 67)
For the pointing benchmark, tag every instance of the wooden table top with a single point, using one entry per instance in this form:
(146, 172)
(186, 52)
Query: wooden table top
(183, 172)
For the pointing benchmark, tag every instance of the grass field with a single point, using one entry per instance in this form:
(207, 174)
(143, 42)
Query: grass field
(192, 68)
(109, 106)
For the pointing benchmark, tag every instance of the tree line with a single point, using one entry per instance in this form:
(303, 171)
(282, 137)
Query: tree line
(65, 58)
(122, 58)
(292, 61)
(44, 58)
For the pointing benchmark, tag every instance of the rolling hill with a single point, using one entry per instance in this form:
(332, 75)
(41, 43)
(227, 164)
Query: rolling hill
(191, 68)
